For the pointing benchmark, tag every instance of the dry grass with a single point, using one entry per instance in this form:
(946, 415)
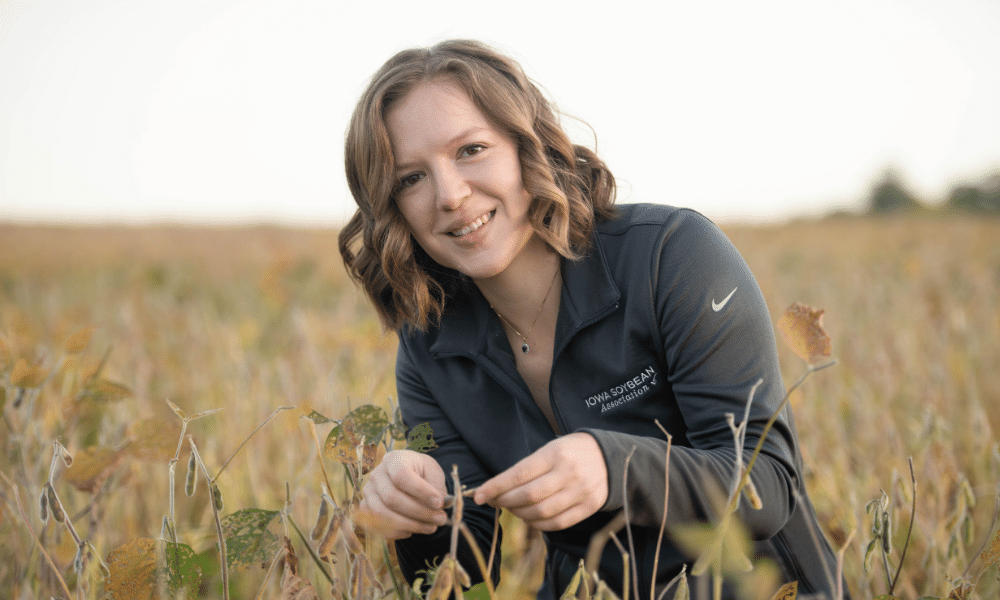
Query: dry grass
(252, 319)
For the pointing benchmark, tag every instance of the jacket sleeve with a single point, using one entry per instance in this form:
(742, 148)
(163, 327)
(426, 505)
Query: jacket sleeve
(421, 552)
(718, 342)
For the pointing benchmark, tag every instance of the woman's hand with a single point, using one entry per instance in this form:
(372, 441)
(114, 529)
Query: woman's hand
(404, 495)
(557, 486)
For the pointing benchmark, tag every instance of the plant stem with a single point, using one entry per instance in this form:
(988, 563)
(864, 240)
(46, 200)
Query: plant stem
(628, 529)
(20, 508)
(312, 553)
(319, 457)
(666, 499)
(487, 575)
(909, 530)
(767, 429)
(218, 523)
(252, 433)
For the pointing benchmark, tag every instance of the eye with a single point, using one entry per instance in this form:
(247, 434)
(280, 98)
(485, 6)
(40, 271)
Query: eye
(472, 149)
(410, 180)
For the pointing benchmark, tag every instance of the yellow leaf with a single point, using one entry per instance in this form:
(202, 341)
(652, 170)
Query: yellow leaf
(27, 376)
(6, 357)
(107, 391)
(341, 448)
(787, 592)
(992, 554)
(92, 467)
(78, 341)
(802, 328)
(726, 544)
(154, 439)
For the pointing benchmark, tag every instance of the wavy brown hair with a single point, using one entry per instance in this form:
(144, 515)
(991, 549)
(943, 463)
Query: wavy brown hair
(569, 185)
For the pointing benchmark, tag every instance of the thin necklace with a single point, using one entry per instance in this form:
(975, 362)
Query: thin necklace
(524, 347)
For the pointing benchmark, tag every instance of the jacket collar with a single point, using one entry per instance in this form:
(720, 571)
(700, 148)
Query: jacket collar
(469, 326)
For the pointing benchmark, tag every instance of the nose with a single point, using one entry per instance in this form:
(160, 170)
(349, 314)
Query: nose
(451, 187)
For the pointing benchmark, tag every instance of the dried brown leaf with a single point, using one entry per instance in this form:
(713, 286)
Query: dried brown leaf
(294, 587)
(802, 328)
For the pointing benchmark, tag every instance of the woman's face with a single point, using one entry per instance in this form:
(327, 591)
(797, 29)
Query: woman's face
(459, 184)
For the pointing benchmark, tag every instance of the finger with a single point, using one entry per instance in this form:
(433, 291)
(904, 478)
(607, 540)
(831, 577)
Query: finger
(412, 508)
(390, 492)
(420, 490)
(547, 507)
(569, 517)
(389, 523)
(538, 490)
(525, 471)
(412, 480)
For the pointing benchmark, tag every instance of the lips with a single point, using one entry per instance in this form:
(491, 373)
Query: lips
(466, 230)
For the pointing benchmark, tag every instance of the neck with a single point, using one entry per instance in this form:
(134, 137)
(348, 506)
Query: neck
(518, 292)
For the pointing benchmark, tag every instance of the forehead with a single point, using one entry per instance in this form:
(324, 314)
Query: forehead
(432, 113)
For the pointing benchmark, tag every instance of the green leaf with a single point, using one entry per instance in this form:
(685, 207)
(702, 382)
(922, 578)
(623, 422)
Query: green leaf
(146, 568)
(317, 418)
(248, 540)
(369, 421)
(103, 390)
(478, 592)
(398, 427)
(181, 568)
(421, 438)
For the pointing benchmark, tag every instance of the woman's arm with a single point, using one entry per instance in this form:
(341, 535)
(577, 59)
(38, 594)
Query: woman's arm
(422, 550)
(718, 342)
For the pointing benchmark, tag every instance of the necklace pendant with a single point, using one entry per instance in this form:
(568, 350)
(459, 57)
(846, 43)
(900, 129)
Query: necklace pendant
(524, 348)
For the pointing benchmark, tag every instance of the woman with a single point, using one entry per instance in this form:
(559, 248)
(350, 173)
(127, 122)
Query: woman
(544, 331)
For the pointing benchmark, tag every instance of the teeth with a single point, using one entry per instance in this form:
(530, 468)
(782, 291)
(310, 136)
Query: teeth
(474, 225)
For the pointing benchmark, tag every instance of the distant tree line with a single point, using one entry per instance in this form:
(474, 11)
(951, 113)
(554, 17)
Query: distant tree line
(890, 195)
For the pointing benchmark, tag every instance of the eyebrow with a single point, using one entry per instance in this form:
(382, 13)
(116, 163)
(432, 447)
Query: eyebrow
(454, 140)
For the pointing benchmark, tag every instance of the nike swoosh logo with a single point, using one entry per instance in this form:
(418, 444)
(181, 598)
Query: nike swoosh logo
(717, 306)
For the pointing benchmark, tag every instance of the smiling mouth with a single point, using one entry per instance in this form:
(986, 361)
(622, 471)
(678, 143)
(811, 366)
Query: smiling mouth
(473, 226)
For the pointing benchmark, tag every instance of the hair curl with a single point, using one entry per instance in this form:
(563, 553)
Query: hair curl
(569, 185)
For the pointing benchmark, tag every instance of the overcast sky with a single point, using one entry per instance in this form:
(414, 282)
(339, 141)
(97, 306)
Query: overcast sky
(230, 111)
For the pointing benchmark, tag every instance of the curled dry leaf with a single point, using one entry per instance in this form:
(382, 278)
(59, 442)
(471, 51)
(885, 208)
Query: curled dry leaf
(294, 587)
(802, 328)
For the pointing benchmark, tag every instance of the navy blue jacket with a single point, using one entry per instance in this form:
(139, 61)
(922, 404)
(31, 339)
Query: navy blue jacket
(662, 320)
